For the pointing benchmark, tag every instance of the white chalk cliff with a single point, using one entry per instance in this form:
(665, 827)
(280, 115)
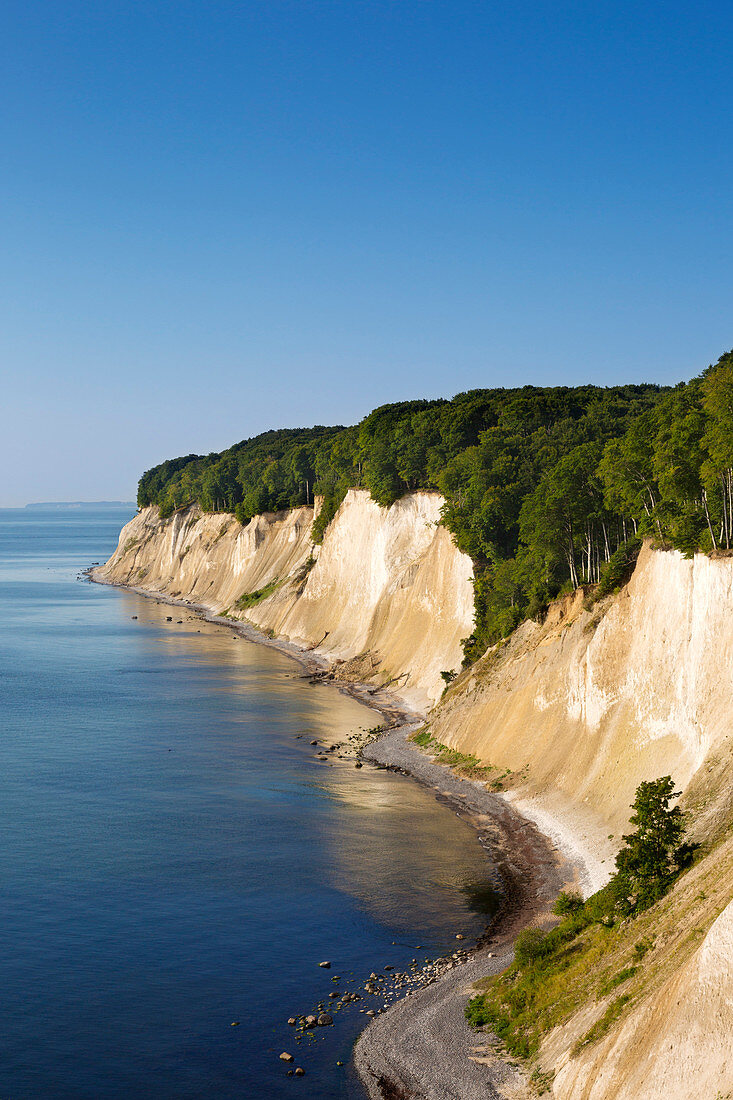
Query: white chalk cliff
(388, 591)
(575, 711)
(584, 706)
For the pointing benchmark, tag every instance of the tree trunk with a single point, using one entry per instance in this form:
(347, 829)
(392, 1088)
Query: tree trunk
(707, 517)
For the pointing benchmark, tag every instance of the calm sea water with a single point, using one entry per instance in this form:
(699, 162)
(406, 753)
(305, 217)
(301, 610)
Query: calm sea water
(173, 859)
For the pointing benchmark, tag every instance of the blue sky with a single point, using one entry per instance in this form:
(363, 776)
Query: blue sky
(219, 218)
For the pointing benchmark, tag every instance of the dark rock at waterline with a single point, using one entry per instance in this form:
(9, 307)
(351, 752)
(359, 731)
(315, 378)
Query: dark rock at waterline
(325, 965)
(300, 1072)
(324, 1019)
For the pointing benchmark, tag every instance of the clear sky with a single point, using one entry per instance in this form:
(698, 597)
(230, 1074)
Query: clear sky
(219, 218)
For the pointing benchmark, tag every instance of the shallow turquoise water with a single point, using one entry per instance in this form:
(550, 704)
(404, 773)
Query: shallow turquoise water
(173, 859)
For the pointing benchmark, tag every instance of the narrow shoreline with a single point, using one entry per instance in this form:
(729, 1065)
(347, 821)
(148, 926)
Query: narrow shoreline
(421, 1047)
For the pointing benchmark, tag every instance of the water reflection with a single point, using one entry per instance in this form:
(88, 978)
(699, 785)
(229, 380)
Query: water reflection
(407, 861)
(175, 858)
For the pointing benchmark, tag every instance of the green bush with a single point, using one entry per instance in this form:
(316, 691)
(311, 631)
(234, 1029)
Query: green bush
(568, 901)
(532, 996)
(603, 1026)
(654, 854)
(329, 508)
(530, 946)
(616, 572)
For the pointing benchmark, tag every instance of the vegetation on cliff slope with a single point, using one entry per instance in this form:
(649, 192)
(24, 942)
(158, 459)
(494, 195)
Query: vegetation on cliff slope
(544, 487)
(554, 971)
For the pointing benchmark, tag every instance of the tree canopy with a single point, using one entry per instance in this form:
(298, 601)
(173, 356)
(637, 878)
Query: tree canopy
(545, 487)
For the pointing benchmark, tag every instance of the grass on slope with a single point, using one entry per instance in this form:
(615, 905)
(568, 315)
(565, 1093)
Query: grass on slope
(462, 763)
(250, 599)
(590, 959)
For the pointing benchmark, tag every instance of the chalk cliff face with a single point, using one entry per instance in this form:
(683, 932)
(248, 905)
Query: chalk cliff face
(585, 706)
(574, 713)
(388, 593)
(579, 710)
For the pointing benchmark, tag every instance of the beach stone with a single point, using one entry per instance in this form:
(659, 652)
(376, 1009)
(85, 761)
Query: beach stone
(235, 1023)
(371, 1012)
(324, 1019)
(325, 965)
(285, 1057)
(459, 936)
(292, 1021)
(300, 1072)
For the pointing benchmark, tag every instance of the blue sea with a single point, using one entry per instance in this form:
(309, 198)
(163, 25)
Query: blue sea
(173, 857)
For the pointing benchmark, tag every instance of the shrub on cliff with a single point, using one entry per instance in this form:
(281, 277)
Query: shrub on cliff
(536, 993)
(654, 854)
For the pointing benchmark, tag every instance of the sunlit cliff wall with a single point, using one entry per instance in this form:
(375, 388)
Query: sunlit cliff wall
(388, 592)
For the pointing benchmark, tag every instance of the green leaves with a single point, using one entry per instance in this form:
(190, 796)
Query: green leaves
(654, 854)
(545, 488)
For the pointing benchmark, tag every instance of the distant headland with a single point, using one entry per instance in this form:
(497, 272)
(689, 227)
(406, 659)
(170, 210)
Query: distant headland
(84, 505)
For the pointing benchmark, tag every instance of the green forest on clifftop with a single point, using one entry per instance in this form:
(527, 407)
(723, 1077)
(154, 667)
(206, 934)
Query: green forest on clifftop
(545, 488)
